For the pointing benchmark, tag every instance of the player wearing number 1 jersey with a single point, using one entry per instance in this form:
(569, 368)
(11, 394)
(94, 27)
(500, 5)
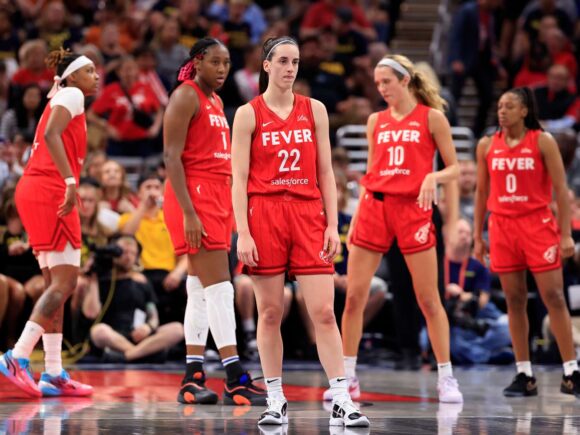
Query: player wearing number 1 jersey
(517, 168)
(396, 202)
(199, 217)
(286, 212)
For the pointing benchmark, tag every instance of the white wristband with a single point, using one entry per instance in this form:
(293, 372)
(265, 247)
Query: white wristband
(69, 181)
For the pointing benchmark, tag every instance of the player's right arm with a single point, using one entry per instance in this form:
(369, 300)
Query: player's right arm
(182, 107)
(481, 195)
(371, 123)
(244, 125)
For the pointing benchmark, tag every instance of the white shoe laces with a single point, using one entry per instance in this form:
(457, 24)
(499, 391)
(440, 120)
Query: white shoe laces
(348, 406)
(275, 405)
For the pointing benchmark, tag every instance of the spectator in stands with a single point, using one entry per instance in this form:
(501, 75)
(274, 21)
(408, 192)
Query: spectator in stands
(130, 328)
(23, 118)
(467, 179)
(557, 106)
(117, 195)
(163, 269)
(147, 63)
(534, 15)
(351, 43)
(170, 52)
(250, 13)
(472, 54)
(110, 31)
(4, 86)
(237, 32)
(18, 264)
(12, 300)
(32, 68)
(325, 86)
(129, 112)
(11, 168)
(94, 162)
(54, 27)
(560, 51)
(246, 79)
(194, 25)
(9, 41)
(479, 330)
(322, 14)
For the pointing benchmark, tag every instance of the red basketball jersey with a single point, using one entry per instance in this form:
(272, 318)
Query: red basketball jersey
(518, 180)
(74, 138)
(402, 154)
(283, 156)
(207, 146)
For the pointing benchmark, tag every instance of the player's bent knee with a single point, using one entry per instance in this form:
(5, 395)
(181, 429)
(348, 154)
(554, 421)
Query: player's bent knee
(271, 317)
(100, 334)
(324, 316)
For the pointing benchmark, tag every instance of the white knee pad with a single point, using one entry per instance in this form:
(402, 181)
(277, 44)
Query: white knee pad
(220, 313)
(195, 324)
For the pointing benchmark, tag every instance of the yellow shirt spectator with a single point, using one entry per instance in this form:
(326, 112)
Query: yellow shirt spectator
(154, 238)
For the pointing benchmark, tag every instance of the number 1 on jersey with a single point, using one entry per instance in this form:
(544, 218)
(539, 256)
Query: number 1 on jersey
(225, 140)
(284, 154)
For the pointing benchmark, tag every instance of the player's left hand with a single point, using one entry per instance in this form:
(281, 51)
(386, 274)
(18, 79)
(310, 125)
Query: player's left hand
(566, 247)
(428, 193)
(331, 245)
(70, 200)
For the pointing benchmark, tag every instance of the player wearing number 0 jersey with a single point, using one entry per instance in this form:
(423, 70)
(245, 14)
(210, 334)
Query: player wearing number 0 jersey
(396, 202)
(517, 168)
(46, 199)
(198, 214)
(285, 205)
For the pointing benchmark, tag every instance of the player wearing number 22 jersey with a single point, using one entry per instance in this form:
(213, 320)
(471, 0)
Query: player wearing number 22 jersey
(285, 212)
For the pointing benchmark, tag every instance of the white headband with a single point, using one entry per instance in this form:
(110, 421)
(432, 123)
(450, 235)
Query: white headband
(75, 65)
(285, 41)
(395, 65)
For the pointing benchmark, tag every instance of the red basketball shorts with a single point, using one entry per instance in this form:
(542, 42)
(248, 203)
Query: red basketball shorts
(381, 218)
(530, 241)
(289, 235)
(37, 200)
(212, 200)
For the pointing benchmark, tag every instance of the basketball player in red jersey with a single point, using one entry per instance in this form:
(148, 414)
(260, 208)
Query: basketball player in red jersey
(396, 201)
(517, 168)
(286, 213)
(199, 216)
(46, 199)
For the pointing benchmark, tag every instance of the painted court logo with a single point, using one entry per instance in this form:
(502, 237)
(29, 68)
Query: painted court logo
(551, 254)
(422, 234)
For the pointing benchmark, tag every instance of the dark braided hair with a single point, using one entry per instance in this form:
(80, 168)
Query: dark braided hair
(60, 59)
(268, 54)
(527, 98)
(187, 70)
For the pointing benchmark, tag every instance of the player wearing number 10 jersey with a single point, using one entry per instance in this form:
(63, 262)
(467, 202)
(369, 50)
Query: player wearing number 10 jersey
(396, 202)
(517, 167)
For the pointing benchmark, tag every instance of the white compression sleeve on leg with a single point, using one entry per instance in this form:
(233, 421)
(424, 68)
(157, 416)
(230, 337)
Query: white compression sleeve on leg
(220, 313)
(195, 324)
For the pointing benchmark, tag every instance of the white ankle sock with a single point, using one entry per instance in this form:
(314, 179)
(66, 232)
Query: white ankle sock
(570, 367)
(338, 388)
(274, 387)
(524, 367)
(52, 344)
(28, 339)
(444, 370)
(350, 366)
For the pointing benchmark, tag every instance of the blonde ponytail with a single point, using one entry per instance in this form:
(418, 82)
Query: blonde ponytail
(424, 90)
